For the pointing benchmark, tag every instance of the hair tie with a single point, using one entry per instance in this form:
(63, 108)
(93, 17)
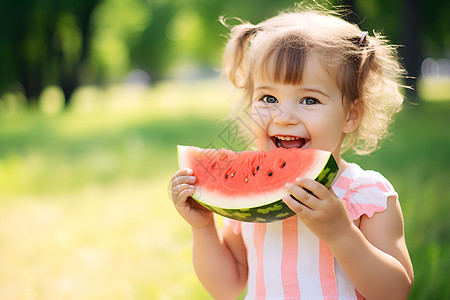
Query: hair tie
(363, 39)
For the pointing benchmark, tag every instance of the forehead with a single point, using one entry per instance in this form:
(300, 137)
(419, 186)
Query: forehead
(279, 58)
(311, 72)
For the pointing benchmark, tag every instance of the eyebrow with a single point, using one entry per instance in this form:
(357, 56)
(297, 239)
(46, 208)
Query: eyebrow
(263, 87)
(313, 90)
(316, 91)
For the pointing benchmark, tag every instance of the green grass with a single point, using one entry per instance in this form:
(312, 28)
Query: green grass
(84, 210)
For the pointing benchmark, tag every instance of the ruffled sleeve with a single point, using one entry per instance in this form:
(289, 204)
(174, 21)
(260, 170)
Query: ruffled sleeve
(364, 192)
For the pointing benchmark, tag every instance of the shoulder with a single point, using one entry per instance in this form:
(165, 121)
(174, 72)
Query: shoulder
(354, 176)
(364, 192)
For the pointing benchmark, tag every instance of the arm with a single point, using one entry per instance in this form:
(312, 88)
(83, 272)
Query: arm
(374, 257)
(220, 261)
(378, 250)
(219, 257)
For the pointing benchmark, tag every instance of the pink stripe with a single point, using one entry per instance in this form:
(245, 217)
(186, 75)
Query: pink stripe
(326, 272)
(354, 190)
(384, 187)
(289, 258)
(343, 183)
(378, 184)
(258, 239)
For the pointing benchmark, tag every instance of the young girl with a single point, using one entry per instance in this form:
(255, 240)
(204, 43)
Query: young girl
(319, 82)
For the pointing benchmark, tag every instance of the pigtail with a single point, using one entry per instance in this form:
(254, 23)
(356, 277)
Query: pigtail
(368, 58)
(236, 51)
(378, 80)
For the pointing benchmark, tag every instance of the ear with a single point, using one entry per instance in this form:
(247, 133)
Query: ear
(354, 116)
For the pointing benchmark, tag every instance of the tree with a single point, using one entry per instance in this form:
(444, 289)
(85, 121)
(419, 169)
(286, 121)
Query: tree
(45, 42)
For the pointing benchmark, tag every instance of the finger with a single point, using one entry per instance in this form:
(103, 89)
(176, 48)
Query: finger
(312, 186)
(180, 199)
(182, 172)
(302, 195)
(183, 179)
(296, 206)
(176, 189)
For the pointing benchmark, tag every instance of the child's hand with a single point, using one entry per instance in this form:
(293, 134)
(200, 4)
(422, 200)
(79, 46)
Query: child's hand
(182, 190)
(321, 211)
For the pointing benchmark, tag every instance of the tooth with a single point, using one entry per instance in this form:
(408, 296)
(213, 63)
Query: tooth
(287, 138)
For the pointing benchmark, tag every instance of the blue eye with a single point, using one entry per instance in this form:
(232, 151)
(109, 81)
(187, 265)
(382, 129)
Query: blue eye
(269, 99)
(309, 101)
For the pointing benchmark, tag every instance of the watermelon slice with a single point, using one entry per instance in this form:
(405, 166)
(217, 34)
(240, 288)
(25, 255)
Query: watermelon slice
(248, 185)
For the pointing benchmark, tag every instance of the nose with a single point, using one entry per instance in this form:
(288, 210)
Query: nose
(286, 115)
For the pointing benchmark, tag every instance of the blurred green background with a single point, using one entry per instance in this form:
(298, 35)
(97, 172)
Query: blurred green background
(95, 96)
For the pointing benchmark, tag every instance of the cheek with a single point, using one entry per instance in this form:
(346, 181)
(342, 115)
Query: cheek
(326, 133)
(259, 121)
(258, 130)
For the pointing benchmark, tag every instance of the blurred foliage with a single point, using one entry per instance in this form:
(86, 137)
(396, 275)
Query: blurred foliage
(70, 43)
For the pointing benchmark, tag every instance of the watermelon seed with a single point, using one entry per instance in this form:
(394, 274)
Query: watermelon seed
(257, 168)
(232, 174)
(226, 176)
(246, 179)
(270, 173)
(284, 165)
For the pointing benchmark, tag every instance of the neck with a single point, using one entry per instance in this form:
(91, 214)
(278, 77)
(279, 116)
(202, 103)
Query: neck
(342, 164)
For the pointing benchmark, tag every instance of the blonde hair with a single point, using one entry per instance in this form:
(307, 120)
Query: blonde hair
(366, 67)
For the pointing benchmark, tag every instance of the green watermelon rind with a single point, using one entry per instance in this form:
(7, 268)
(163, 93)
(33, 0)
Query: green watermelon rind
(277, 210)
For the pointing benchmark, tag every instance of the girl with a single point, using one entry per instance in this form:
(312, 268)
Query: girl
(319, 82)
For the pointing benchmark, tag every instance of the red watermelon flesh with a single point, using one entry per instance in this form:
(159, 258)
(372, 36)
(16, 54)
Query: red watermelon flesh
(248, 185)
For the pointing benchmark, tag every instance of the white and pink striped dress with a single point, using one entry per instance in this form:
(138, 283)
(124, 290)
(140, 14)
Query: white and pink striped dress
(287, 261)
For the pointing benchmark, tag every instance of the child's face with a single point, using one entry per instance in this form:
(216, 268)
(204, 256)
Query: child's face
(307, 115)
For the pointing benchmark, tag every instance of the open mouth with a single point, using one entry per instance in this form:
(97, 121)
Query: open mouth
(288, 142)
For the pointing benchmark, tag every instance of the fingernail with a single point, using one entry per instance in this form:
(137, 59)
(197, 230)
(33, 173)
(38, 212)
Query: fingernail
(189, 171)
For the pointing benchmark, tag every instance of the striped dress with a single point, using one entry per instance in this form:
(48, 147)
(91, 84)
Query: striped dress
(287, 261)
